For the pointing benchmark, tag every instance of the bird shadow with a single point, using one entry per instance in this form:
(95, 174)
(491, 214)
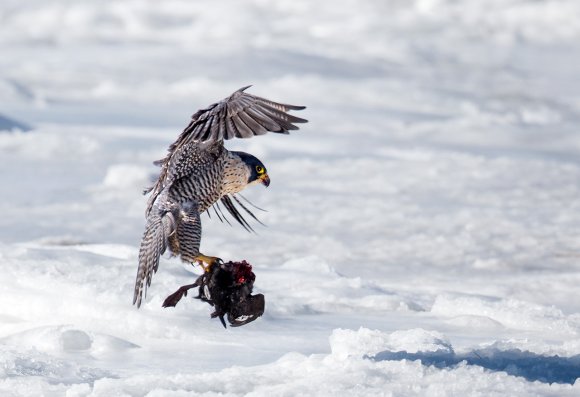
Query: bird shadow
(515, 362)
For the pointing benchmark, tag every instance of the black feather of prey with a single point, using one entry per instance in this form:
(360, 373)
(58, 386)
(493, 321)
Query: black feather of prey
(217, 205)
(230, 206)
(247, 210)
(252, 204)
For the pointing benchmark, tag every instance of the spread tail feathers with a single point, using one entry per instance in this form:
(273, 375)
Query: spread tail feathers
(153, 245)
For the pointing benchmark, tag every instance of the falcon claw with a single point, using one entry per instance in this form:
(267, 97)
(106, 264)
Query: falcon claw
(207, 262)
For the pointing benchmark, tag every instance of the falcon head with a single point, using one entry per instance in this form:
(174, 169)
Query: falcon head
(255, 169)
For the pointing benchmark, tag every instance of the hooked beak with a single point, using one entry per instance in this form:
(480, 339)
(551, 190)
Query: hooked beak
(265, 179)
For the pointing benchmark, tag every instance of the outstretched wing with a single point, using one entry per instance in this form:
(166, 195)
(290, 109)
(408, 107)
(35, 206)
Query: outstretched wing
(240, 115)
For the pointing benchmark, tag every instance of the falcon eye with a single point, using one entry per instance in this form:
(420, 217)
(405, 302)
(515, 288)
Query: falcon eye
(260, 169)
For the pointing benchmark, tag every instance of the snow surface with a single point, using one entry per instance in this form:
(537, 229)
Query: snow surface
(10, 125)
(423, 229)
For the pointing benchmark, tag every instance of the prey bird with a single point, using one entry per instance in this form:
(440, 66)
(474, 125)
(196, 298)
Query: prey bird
(199, 171)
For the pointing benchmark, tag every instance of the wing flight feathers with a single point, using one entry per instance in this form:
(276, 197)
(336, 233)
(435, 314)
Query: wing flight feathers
(240, 115)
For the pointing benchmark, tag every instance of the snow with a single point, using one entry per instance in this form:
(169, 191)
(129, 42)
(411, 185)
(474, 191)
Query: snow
(423, 228)
(8, 124)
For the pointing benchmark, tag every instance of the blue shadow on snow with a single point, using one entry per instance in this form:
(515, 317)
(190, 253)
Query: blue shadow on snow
(531, 366)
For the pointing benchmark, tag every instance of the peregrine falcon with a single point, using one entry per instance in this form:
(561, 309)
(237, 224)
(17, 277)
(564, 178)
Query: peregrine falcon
(199, 171)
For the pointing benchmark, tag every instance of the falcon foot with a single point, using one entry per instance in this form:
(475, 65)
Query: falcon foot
(207, 262)
(228, 288)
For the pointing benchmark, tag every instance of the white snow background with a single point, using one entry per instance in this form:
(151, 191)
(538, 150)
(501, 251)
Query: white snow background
(423, 229)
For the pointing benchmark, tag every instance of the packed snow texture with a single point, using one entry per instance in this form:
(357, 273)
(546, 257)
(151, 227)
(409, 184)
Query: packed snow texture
(423, 229)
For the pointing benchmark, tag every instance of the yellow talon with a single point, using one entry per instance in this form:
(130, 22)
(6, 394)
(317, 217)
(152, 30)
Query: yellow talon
(209, 260)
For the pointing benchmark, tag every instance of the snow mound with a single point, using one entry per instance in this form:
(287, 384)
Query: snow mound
(476, 322)
(67, 339)
(21, 369)
(431, 348)
(365, 342)
(507, 312)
